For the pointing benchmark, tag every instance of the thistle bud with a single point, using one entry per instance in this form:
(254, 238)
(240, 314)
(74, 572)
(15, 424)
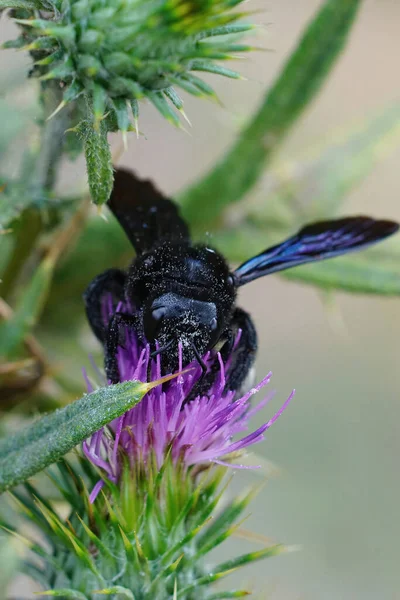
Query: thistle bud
(131, 49)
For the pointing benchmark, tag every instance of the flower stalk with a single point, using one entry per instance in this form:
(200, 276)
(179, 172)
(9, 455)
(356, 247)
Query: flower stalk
(146, 495)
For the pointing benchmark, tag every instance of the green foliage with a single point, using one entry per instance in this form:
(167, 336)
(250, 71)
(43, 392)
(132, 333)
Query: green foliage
(316, 184)
(9, 561)
(96, 61)
(27, 4)
(47, 440)
(98, 160)
(144, 539)
(296, 86)
(314, 187)
(27, 311)
(106, 58)
(376, 271)
(132, 50)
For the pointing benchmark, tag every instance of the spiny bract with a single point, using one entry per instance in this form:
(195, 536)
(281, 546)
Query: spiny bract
(116, 53)
(145, 539)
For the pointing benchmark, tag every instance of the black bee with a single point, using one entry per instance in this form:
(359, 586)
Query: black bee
(185, 292)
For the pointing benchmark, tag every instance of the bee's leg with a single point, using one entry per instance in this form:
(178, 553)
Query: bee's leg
(203, 385)
(243, 356)
(110, 282)
(113, 340)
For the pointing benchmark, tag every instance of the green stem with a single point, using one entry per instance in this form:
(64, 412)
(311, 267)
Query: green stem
(299, 82)
(29, 228)
(51, 144)
(40, 183)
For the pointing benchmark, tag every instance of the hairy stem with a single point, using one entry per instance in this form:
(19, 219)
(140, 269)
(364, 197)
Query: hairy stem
(40, 183)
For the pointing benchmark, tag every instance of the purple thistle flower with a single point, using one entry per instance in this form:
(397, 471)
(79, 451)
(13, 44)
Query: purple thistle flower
(199, 432)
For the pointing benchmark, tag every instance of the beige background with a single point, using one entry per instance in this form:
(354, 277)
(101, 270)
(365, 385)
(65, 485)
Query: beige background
(338, 444)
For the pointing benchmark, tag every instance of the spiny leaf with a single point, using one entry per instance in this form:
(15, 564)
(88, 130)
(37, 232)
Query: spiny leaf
(163, 575)
(31, 450)
(95, 539)
(131, 553)
(184, 541)
(221, 525)
(161, 104)
(121, 111)
(297, 85)
(98, 160)
(99, 104)
(227, 567)
(227, 30)
(210, 67)
(117, 589)
(67, 537)
(65, 593)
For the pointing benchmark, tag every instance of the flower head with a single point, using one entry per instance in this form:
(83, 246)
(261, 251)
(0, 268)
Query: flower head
(119, 52)
(165, 424)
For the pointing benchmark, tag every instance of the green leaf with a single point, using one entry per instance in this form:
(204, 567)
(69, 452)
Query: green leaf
(298, 84)
(225, 568)
(98, 160)
(9, 561)
(234, 594)
(28, 309)
(65, 593)
(222, 526)
(47, 440)
(117, 590)
(29, 4)
(14, 199)
(315, 185)
(375, 271)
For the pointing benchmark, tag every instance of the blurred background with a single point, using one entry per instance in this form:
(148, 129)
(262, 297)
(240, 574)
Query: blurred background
(337, 446)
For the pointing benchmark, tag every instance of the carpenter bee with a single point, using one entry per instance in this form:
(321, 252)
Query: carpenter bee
(185, 293)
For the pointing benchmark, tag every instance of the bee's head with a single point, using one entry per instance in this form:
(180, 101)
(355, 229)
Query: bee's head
(171, 319)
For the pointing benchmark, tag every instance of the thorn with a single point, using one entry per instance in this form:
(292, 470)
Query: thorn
(57, 110)
(125, 140)
(153, 384)
(25, 22)
(185, 130)
(136, 121)
(184, 115)
(100, 212)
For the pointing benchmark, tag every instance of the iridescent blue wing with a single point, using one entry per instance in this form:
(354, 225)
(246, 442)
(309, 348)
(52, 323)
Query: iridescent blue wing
(147, 216)
(318, 241)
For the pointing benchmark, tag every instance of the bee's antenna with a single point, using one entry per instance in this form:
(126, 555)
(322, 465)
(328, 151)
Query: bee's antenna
(162, 349)
(156, 353)
(200, 361)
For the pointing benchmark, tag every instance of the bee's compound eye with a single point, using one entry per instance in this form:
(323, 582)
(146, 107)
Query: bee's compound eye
(158, 313)
(230, 281)
(213, 324)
